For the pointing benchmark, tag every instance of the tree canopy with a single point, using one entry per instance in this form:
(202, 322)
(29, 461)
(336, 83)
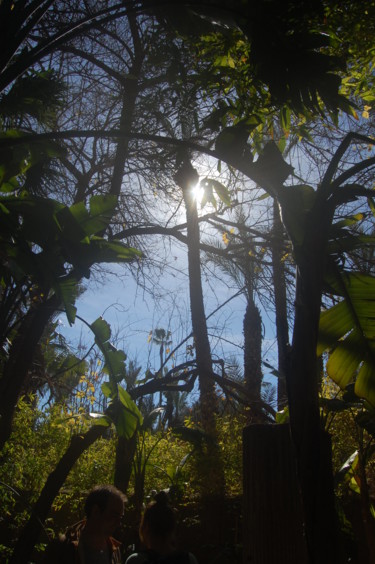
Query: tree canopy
(109, 113)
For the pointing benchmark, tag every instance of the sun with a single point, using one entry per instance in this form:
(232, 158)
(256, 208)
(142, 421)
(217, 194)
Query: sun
(198, 192)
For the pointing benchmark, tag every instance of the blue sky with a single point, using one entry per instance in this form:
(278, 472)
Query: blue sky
(132, 314)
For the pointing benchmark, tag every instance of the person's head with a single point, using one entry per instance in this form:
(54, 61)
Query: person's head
(104, 508)
(158, 524)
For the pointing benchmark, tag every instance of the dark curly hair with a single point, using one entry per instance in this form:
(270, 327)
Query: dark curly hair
(100, 496)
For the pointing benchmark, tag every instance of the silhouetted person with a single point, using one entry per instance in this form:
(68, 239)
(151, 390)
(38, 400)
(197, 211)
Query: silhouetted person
(90, 541)
(157, 531)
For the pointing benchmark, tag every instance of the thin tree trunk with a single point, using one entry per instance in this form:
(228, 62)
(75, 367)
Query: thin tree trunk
(130, 93)
(281, 313)
(30, 533)
(213, 474)
(208, 398)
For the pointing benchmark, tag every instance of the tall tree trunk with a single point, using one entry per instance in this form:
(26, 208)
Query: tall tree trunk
(313, 464)
(252, 328)
(281, 313)
(17, 366)
(213, 474)
(30, 533)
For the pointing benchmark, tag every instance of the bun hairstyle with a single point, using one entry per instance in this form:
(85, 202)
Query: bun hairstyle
(161, 498)
(159, 520)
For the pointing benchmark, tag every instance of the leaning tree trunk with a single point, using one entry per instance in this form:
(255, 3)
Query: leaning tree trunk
(17, 366)
(30, 533)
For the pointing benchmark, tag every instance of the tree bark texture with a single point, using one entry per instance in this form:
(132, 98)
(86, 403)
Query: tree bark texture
(274, 528)
(31, 531)
(252, 328)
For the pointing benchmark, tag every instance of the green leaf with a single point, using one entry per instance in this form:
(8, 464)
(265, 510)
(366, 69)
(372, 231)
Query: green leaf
(334, 323)
(351, 220)
(125, 419)
(38, 223)
(100, 419)
(114, 362)
(282, 416)
(281, 144)
(100, 250)
(365, 381)
(208, 196)
(80, 223)
(101, 330)
(66, 288)
(35, 94)
(354, 485)
(114, 359)
(71, 220)
(109, 390)
(224, 61)
(348, 466)
(285, 116)
(127, 402)
(348, 329)
(371, 204)
(102, 208)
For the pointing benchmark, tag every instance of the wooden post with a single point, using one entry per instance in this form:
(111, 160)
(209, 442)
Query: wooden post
(272, 512)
